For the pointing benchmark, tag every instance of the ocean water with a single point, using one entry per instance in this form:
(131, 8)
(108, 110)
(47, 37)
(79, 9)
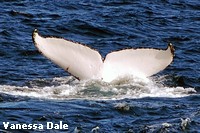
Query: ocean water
(35, 91)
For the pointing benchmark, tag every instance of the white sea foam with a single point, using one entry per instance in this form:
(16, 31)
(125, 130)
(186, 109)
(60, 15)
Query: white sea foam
(69, 88)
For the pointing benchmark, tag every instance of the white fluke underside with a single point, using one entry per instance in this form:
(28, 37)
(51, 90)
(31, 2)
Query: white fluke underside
(86, 63)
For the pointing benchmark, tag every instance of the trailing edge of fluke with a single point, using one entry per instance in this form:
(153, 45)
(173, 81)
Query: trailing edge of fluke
(85, 63)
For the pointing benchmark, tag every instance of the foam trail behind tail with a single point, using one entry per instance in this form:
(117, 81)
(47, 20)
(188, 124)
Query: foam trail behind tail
(68, 88)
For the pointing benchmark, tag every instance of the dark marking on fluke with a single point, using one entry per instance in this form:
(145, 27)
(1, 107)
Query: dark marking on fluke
(33, 38)
(172, 49)
(67, 69)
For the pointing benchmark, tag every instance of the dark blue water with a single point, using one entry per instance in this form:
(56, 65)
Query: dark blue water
(35, 91)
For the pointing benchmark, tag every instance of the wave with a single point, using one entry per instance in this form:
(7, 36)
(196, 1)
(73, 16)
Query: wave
(62, 88)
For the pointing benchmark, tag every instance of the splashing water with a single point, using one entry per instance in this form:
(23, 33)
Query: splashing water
(70, 88)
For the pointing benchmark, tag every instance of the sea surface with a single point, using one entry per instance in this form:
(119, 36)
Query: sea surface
(33, 90)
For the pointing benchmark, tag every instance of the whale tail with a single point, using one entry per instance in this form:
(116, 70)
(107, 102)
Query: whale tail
(86, 63)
